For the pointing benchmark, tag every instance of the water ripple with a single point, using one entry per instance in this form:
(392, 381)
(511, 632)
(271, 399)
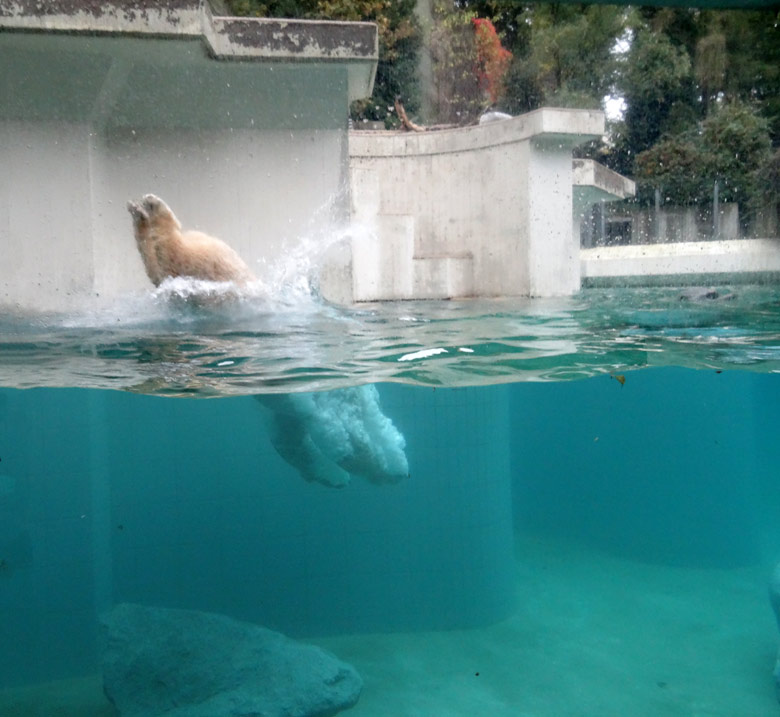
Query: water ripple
(157, 346)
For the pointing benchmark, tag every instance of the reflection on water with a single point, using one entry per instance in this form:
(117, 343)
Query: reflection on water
(188, 339)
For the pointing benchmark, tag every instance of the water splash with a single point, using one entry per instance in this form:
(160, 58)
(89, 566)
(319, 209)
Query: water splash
(287, 284)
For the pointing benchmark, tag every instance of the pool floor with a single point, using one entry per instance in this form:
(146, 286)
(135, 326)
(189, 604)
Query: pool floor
(593, 635)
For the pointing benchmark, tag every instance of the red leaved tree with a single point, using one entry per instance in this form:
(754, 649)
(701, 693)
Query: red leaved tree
(492, 59)
(469, 64)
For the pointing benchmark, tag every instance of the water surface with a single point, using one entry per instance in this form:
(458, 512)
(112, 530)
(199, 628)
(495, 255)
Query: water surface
(166, 344)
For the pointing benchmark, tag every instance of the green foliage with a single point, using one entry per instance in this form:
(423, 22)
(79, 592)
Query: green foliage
(753, 67)
(655, 79)
(562, 53)
(399, 43)
(737, 141)
(701, 87)
(470, 63)
(271, 8)
(768, 179)
(710, 65)
(655, 71)
(684, 65)
(525, 91)
(727, 147)
(674, 166)
(457, 97)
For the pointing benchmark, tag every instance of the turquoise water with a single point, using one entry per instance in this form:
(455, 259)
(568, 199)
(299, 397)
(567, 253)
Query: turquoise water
(163, 345)
(586, 496)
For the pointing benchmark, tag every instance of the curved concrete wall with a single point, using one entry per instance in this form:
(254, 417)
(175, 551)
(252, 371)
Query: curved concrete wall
(474, 211)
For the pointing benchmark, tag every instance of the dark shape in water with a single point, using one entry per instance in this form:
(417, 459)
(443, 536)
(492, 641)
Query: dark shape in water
(699, 293)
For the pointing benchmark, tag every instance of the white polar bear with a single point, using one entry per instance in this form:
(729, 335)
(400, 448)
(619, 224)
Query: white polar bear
(167, 252)
(331, 435)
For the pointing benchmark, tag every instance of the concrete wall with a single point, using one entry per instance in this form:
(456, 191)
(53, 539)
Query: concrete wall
(475, 211)
(249, 151)
(681, 262)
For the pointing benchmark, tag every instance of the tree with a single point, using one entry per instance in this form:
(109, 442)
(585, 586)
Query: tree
(765, 203)
(710, 66)
(399, 43)
(753, 68)
(470, 63)
(492, 59)
(562, 53)
(673, 166)
(729, 146)
(684, 64)
(457, 97)
(655, 80)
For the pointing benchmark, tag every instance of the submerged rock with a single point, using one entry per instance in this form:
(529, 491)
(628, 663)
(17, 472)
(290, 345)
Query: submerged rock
(774, 599)
(184, 663)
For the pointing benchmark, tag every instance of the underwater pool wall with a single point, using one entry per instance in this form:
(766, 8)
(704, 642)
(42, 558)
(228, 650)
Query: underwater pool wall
(676, 467)
(239, 124)
(108, 497)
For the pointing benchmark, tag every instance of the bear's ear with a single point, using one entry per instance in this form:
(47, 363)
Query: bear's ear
(137, 211)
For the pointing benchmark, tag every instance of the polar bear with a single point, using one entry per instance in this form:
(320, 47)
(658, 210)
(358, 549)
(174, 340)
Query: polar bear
(167, 252)
(330, 435)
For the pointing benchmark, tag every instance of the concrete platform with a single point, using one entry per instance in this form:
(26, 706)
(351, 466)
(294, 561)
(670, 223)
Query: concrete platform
(225, 38)
(240, 124)
(593, 182)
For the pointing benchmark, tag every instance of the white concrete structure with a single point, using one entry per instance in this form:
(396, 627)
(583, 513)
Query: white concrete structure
(475, 211)
(594, 183)
(240, 125)
(680, 262)
(103, 102)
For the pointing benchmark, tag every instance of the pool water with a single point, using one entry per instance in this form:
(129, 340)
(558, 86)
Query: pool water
(164, 344)
(558, 507)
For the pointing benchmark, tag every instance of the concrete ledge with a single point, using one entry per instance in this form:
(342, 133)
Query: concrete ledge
(654, 263)
(176, 17)
(226, 38)
(299, 39)
(593, 182)
(564, 127)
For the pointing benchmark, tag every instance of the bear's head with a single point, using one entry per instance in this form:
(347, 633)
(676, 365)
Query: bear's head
(152, 211)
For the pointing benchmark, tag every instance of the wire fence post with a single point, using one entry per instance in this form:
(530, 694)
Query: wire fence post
(715, 212)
